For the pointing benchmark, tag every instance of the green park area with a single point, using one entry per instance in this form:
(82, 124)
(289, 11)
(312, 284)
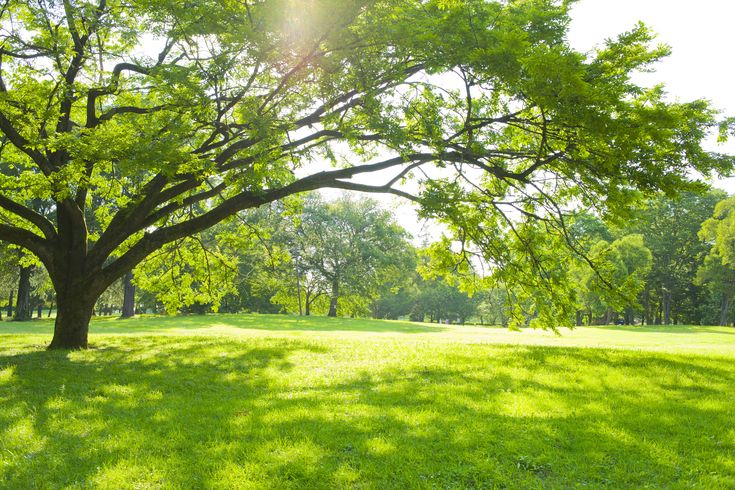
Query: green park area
(367, 244)
(265, 401)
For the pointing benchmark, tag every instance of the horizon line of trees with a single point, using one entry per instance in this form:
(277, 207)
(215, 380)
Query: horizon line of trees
(672, 261)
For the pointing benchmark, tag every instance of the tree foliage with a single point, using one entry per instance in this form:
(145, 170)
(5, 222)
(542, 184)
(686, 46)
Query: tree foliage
(718, 269)
(670, 227)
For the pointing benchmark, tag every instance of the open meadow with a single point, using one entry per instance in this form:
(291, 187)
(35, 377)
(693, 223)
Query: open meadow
(257, 401)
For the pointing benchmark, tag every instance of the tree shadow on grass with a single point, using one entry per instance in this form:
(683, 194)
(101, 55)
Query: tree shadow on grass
(282, 413)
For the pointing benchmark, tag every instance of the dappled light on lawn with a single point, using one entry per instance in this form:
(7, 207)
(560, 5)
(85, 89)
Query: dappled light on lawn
(302, 407)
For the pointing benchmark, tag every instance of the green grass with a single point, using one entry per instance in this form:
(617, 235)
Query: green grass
(250, 401)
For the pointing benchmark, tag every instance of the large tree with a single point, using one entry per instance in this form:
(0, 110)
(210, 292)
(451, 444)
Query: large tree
(140, 123)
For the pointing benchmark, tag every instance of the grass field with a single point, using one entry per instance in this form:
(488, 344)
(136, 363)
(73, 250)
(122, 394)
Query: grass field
(249, 401)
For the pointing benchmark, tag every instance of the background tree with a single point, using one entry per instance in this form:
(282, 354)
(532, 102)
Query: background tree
(624, 264)
(395, 303)
(23, 306)
(194, 273)
(240, 97)
(719, 278)
(493, 307)
(128, 304)
(440, 302)
(8, 278)
(261, 240)
(670, 228)
(718, 268)
(352, 248)
(587, 230)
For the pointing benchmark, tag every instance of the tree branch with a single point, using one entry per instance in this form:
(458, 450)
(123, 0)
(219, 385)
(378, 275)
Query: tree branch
(43, 224)
(24, 145)
(29, 240)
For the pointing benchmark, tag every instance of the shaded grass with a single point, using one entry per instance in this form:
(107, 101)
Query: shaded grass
(376, 409)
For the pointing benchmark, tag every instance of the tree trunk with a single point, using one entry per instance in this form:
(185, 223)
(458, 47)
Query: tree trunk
(667, 307)
(128, 306)
(308, 300)
(608, 316)
(23, 309)
(10, 304)
(76, 291)
(579, 318)
(73, 313)
(629, 318)
(333, 298)
(298, 290)
(725, 309)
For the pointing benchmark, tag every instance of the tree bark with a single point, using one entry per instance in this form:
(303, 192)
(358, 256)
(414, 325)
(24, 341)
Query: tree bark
(23, 309)
(629, 316)
(128, 307)
(73, 312)
(725, 309)
(666, 307)
(77, 283)
(333, 298)
(298, 289)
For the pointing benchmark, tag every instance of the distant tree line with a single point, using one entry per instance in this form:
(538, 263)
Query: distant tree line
(671, 261)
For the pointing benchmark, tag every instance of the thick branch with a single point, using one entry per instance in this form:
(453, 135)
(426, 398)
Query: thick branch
(24, 145)
(127, 221)
(28, 240)
(95, 93)
(334, 179)
(27, 214)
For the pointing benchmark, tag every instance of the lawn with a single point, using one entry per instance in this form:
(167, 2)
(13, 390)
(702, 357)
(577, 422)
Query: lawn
(249, 401)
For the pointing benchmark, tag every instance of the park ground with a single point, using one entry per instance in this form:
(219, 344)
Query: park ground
(256, 401)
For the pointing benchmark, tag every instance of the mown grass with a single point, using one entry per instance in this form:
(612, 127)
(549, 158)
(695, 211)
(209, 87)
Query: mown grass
(246, 401)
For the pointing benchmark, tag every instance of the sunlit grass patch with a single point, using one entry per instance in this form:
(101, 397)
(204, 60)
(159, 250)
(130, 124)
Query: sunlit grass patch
(361, 409)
